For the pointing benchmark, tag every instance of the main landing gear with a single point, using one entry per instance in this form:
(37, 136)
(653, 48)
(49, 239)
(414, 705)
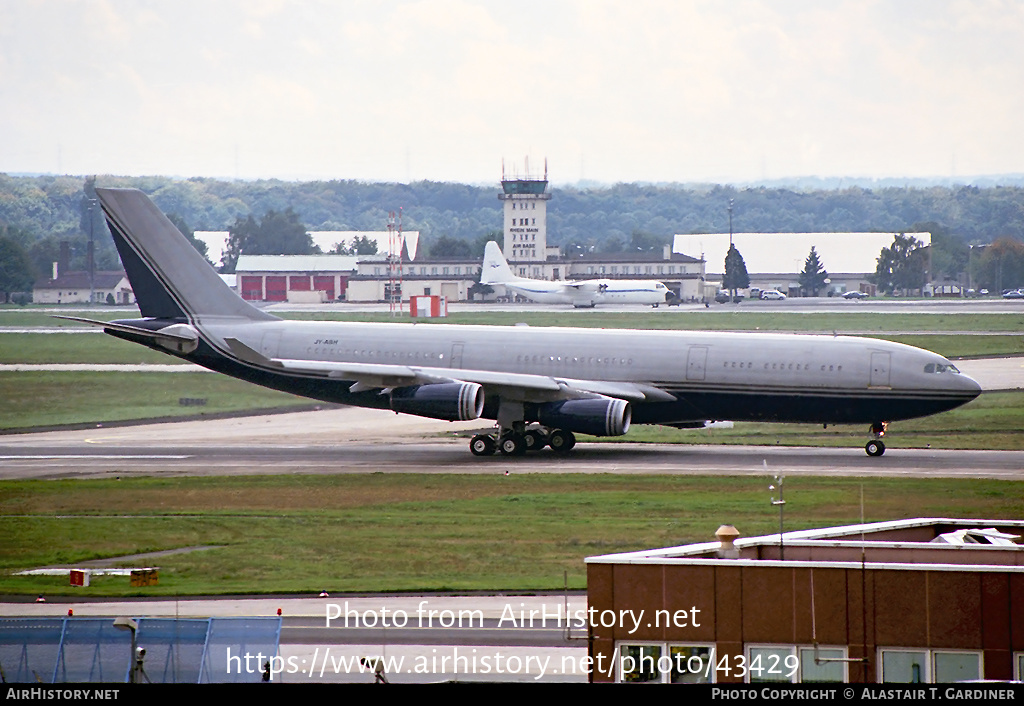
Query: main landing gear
(875, 447)
(510, 442)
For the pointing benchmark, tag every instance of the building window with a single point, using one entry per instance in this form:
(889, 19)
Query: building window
(796, 664)
(664, 663)
(639, 663)
(930, 666)
(952, 667)
(824, 664)
(771, 664)
(904, 667)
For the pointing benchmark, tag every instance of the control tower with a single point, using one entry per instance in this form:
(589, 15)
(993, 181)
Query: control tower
(526, 231)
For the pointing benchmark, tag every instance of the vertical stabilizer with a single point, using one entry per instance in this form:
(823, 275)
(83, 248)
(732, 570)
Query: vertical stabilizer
(495, 269)
(170, 279)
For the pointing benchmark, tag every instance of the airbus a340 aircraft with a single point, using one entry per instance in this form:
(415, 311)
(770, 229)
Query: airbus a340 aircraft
(541, 385)
(582, 293)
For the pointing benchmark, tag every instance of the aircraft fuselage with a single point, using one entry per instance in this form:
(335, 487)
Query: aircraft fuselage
(711, 375)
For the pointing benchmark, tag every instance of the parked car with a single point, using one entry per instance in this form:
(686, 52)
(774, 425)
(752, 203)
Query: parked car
(855, 295)
(1013, 294)
(773, 294)
(722, 296)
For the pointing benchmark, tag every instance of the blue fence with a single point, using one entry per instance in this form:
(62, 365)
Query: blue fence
(65, 650)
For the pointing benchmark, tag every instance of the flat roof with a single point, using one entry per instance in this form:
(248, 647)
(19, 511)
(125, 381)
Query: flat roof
(940, 544)
(787, 252)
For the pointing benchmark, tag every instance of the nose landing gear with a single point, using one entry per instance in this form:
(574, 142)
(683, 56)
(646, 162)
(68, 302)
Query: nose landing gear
(875, 447)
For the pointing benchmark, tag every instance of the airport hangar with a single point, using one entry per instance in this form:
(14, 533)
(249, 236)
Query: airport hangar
(925, 600)
(775, 260)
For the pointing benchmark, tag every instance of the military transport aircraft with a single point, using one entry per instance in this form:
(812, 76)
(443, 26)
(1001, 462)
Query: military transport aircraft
(541, 385)
(583, 293)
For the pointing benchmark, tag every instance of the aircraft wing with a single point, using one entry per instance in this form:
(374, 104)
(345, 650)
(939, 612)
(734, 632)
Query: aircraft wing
(527, 387)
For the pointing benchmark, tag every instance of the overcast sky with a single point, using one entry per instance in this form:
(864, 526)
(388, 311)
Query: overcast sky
(637, 90)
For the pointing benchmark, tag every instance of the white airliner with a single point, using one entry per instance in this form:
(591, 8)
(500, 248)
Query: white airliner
(541, 385)
(582, 293)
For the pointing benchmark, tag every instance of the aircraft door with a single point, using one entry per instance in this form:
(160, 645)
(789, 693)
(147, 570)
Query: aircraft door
(695, 362)
(456, 361)
(880, 370)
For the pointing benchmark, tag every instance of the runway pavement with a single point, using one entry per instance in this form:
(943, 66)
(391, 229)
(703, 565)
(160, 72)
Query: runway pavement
(349, 440)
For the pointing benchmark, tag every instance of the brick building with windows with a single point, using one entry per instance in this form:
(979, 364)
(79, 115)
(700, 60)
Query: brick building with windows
(923, 600)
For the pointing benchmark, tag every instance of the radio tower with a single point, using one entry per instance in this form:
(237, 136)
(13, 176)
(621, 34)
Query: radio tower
(394, 289)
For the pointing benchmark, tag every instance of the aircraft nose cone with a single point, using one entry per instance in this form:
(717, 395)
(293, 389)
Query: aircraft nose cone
(969, 384)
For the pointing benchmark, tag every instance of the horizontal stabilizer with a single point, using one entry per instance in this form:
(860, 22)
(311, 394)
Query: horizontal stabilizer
(179, 338)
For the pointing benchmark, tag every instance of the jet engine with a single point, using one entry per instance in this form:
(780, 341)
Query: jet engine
(454, 401)
(602, 416)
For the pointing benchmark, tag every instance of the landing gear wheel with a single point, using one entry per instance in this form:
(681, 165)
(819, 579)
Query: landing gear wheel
(875, 448)
(512, 445)
(561, 441)
(482, 445)
(535, 440)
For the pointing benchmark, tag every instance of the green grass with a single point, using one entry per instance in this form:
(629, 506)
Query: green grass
(33, 399)
(385, 532)
(90, 347)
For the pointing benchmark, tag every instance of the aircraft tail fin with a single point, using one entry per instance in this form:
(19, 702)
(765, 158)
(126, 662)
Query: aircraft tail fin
(170, 279)
(495, 268)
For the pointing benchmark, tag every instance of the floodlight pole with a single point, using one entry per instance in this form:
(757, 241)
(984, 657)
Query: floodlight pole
(131, 625)
(730, 224)
(780, 503)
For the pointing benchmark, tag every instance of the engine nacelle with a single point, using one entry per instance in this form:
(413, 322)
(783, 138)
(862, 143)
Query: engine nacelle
(598, 417)
(454, 401)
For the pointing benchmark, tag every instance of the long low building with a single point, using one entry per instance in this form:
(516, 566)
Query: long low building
(370, 278)
(75, 288)
(775, 260)
(294, 278)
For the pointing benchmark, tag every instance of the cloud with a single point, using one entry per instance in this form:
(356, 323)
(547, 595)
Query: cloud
(443, 89)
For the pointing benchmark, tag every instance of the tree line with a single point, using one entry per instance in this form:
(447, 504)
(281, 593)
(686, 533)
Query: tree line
(38, 213)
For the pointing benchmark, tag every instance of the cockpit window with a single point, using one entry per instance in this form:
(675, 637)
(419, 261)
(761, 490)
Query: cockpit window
(940, 368)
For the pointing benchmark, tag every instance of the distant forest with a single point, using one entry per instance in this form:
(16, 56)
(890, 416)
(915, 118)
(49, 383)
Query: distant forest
(40, 211)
